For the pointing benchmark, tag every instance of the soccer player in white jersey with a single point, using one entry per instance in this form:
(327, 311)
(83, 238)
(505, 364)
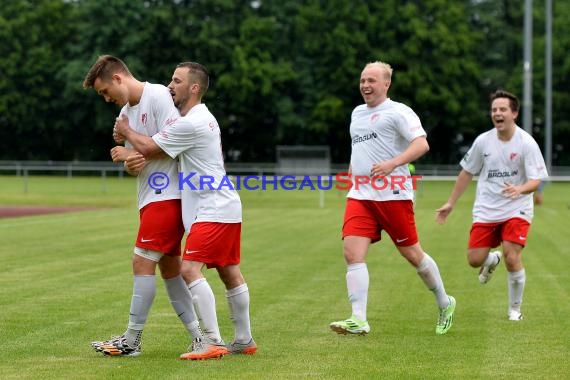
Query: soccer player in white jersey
(386, 137)
(211, 206)
(510, 168)
(161, 229)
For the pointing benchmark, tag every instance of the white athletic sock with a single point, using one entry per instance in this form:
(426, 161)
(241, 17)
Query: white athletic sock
(238, 301)
(516, 281)
(491, 259)
(144, 290)
(357, 281)
(181, 301)
(205, 306)
(429, 273)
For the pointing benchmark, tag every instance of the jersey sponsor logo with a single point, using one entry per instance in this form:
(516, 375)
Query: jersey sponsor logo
(496, 173)
(170, 121)
(359, 139)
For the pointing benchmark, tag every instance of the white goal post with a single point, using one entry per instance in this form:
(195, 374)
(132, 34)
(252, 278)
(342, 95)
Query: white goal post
(304, 160)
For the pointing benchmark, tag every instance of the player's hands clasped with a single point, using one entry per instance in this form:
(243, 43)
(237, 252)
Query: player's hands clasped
(120, 129)
(119, 153)
(135, 162)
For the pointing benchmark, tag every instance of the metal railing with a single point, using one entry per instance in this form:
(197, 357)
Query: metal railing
(103, 168)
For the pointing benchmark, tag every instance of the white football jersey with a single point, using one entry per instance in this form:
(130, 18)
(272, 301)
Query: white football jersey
(154, 111)
(379, 134)
(499, 162)
(207, 193)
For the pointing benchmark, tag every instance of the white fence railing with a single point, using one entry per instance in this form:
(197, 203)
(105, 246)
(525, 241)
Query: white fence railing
(103, 169)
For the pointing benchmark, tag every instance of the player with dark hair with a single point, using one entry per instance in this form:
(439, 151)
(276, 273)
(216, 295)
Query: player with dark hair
(151, 109)
(212, 214)
(510, 168)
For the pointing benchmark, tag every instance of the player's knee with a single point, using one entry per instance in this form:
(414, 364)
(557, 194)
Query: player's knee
(474, 261)
(231, 277)
(145, 261)
(513, 260)
(169, 267)
(190, 272)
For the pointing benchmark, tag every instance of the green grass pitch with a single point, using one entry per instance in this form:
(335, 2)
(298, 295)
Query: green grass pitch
(65, 280)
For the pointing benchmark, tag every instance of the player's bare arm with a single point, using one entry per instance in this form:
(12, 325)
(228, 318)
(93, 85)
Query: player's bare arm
(463, 180)
(417, 148)
(120, 153)
(119, 139)
(135, 163)
(145, 145)
(528, 187)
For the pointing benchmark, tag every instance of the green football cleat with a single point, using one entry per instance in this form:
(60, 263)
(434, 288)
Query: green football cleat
(351, 325)
(445, 317)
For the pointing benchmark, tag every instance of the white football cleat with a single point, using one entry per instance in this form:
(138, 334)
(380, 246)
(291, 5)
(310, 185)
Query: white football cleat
(486, 271)
(515, 315)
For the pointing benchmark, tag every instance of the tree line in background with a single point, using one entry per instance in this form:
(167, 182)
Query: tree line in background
(282, 72)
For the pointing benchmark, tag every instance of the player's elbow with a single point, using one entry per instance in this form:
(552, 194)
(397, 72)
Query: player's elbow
(149, 150)
(146, 151)
(423, 145)
(426, 147)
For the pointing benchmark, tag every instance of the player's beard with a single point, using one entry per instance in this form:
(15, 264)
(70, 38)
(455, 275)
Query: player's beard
(181, 99)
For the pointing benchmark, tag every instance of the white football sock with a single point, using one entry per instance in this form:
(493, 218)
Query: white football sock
(205, 306)
(238, 301)
(516, 281)
(181, 301)
(357, 282)
(429, 273)
(491, 259)
(144, 290)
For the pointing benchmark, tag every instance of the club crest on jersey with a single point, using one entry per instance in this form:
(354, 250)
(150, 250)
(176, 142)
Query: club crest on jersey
(212, 125)
(143, 119)
(513, 156)
(374, 118)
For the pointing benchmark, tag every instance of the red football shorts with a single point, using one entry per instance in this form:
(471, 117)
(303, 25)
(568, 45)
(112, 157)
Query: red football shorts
(491, 235)
(214, 244)
(161, 228)
(368, 219)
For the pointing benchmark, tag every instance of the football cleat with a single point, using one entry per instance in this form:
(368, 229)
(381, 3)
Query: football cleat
(487, 270)
(202, 349)
(515, 315)
(120, 347)
(98, 345)
(351, 325)
(248, 348)
(445, 319)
